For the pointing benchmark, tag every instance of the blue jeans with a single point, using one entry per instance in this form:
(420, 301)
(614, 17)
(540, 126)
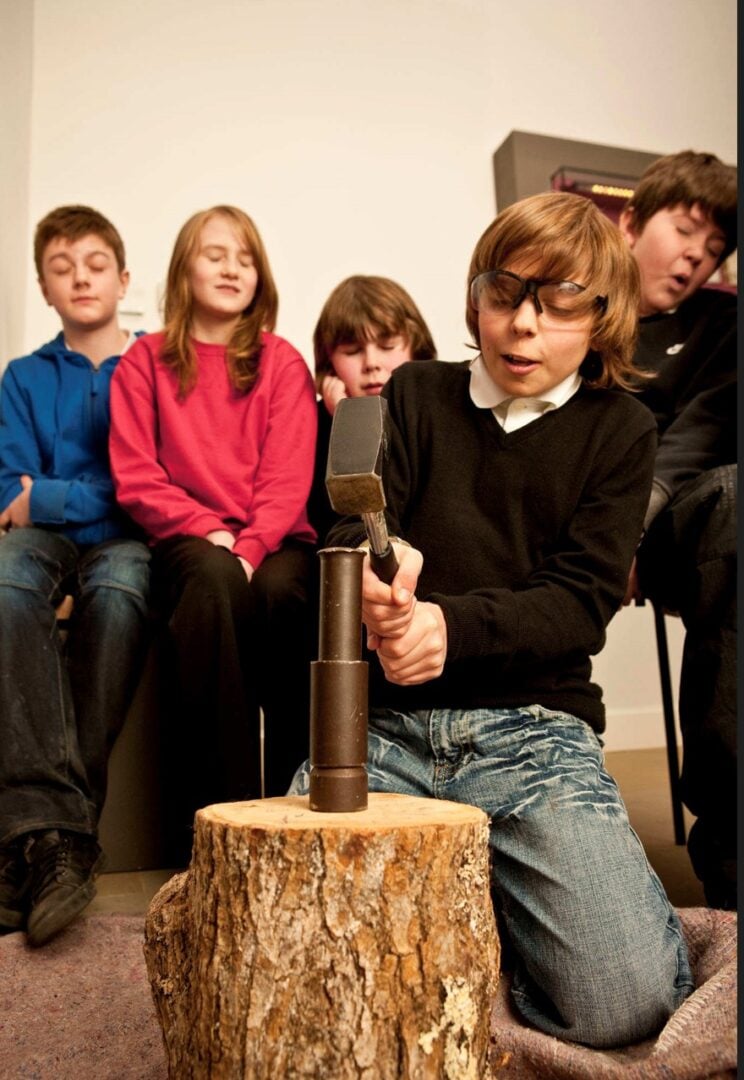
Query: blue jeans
(62, 705)
(600, 957)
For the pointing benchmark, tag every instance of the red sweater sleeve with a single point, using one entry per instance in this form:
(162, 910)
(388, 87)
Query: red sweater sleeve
(285, 471)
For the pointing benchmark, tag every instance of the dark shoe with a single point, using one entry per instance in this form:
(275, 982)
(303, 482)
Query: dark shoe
(14, 883)
(720, 893)
(63, 868)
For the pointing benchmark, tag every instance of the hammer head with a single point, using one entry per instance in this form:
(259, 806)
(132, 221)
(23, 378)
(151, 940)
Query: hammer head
(355, 456)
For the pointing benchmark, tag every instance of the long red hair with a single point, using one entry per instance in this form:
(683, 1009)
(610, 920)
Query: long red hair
(244, 347)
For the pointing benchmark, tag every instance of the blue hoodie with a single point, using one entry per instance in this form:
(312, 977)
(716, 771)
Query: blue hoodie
(54, 426)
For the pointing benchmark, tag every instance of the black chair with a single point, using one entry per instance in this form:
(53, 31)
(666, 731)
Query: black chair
(667, 701)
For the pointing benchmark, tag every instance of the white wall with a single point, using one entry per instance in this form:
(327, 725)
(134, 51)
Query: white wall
(628, 672)
(16, 69)
(359, 135)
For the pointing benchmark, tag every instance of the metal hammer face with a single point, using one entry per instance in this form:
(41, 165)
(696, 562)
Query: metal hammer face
(355, 456)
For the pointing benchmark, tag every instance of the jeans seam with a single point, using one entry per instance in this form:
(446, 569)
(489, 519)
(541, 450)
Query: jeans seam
(116, 586)
(61, 705)
(7, 583)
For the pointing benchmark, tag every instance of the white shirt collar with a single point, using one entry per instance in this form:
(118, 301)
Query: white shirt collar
(485, 394)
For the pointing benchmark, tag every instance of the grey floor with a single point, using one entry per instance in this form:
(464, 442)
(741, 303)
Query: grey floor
(641, 775)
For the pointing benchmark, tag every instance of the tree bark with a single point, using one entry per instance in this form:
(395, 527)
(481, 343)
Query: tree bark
(349, 945)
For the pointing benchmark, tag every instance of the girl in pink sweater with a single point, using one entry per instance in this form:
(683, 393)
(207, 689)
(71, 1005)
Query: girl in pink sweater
(212, 446)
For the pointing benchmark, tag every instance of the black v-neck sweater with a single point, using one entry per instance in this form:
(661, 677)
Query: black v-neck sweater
(527, 537)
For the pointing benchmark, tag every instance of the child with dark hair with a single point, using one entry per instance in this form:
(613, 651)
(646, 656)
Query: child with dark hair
(680, 225)
(212, 444)
(368, 327)
(62, 704)
(517, 483)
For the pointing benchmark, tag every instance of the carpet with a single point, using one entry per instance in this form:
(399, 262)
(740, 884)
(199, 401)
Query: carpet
(80, 1009)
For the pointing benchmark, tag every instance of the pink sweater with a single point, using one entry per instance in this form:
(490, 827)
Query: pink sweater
(217, 459)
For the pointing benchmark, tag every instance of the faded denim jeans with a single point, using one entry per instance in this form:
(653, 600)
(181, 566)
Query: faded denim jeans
(62, 705)
(600, 957)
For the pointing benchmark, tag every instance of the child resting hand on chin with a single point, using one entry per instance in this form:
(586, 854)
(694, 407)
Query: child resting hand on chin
(368, 327)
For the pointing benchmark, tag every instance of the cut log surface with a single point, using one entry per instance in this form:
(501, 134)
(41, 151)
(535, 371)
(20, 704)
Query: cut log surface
(300, 944)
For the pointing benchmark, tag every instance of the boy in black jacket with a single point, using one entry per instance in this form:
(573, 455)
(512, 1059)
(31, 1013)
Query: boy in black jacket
(680, 225)
(520, 480)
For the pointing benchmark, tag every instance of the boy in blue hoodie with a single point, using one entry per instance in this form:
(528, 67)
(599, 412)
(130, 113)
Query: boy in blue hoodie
(63, 704)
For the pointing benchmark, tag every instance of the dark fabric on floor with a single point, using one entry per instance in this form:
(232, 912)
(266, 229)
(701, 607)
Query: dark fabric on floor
(80, 1009)
(697, 1043)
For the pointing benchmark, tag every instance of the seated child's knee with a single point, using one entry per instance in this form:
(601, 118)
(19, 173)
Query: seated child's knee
(123, 565)
(281, 584)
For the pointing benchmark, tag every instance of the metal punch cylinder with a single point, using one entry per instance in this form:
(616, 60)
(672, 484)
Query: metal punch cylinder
(340, 629)
(338, 689)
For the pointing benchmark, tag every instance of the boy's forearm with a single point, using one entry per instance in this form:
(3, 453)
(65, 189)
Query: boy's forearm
(346, 532)
(71, 502)
(702, 437)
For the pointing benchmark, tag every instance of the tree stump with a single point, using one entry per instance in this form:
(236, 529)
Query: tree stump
(348, 945)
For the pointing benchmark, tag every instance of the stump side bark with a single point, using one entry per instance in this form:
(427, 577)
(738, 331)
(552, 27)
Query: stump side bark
(300, 944)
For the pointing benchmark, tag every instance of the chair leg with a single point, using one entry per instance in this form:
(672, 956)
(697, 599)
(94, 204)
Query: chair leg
(262, 743)
(669, 725)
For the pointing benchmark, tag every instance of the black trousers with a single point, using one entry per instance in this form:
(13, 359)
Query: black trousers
(227, 648)
(688, 563)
